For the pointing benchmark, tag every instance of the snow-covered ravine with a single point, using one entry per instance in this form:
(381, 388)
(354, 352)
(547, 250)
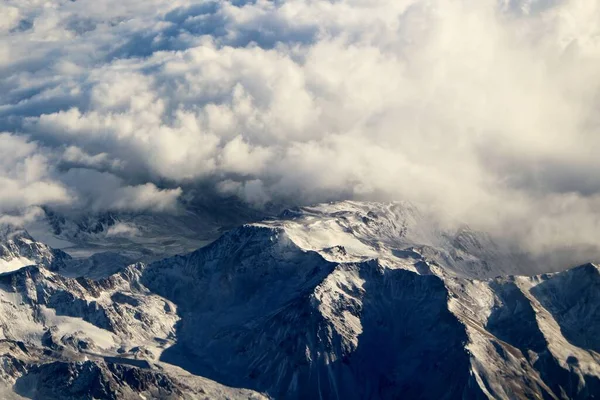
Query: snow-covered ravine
(346, 300)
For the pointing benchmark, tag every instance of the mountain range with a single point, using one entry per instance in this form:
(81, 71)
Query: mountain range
(345, 300)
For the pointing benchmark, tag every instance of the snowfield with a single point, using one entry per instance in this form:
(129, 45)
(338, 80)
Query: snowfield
(14, 264)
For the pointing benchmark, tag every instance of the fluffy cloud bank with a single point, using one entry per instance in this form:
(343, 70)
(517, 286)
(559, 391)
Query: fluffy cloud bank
(485, 111)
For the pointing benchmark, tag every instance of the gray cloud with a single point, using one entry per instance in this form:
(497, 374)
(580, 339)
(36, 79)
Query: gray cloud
(484, 111)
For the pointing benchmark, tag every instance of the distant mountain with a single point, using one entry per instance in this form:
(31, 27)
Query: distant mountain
(138, 236)
(338, 301)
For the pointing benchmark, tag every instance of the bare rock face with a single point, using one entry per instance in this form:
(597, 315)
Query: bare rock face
(344, 300)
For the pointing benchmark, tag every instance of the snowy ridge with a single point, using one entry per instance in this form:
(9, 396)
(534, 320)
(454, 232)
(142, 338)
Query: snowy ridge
(18, 249)
(394, 232)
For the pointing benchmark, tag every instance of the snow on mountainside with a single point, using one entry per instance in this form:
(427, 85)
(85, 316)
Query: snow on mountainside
(394, 233)
(18, 249)
(338, 301)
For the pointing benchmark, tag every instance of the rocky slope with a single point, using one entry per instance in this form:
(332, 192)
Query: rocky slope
(346, 300)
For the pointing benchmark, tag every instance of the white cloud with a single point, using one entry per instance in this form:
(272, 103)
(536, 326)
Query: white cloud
(9, 19)
(484, 110)
(121, 229)
(77, 157)
(143, 197)
(104, 191)
(23, 217)
(26, 176)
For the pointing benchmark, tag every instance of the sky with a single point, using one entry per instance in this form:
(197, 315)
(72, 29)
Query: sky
(483, 111)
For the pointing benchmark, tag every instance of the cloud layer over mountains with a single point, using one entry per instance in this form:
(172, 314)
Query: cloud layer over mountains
(484, 110)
